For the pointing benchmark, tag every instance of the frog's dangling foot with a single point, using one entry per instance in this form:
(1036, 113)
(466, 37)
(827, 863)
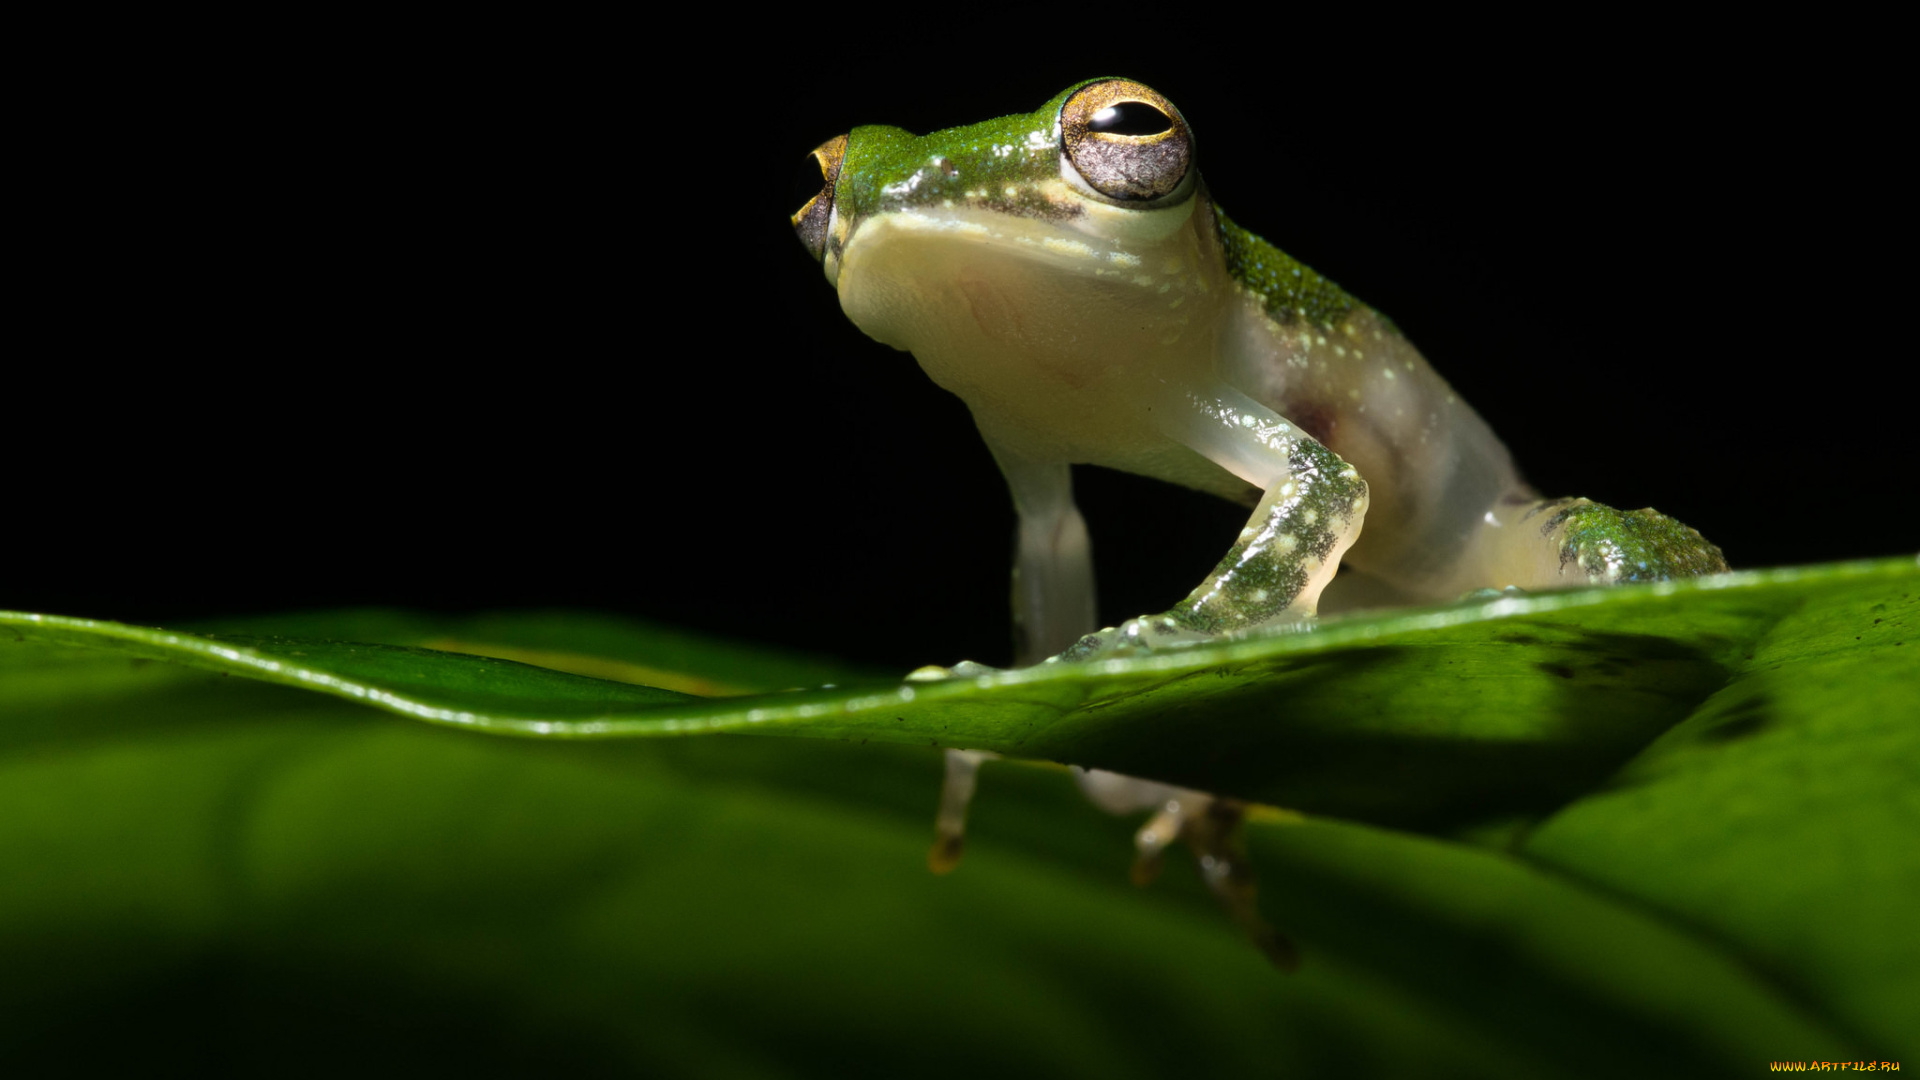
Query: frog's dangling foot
(950, 827)
(1213, 832)
(1210, 826)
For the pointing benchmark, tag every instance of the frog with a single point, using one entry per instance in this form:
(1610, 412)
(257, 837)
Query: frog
(1066, 273)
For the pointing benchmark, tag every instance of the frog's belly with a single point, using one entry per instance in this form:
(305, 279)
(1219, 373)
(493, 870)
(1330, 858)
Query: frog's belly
(1061, 347)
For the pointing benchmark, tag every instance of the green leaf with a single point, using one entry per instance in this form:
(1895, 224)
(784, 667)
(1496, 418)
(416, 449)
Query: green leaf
(273, 882)
(1429, 719)
(1696, 808)
(1782, 818)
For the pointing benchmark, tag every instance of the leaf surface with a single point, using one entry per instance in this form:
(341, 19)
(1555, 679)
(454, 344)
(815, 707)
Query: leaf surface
(1430, 719)
(266, 880)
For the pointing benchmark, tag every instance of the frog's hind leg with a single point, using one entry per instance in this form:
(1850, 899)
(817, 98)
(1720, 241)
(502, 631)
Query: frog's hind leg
(1559, 543)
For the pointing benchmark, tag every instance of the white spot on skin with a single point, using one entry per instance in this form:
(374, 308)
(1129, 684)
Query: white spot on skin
(1390, 375)
(904, 187)
(1257, 595)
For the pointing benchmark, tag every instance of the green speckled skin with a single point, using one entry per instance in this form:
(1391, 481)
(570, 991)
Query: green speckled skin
(1263, 573)
(1620, 547)
(1291, 289)
(991, 165)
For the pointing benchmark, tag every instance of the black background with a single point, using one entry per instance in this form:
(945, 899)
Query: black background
(476, 317)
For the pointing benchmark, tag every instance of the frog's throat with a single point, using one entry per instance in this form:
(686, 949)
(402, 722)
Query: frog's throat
(903, 274)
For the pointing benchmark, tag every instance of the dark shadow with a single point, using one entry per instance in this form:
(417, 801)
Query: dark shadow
(1405, 735)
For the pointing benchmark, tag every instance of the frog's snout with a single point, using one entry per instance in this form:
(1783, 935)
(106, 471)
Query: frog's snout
(812, 221)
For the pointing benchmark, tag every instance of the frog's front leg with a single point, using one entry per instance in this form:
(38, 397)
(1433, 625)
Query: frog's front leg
(1311, 512)
(1053, 606)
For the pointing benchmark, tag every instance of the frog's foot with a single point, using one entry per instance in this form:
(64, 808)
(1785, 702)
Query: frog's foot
(1150, 634)
(1136, 637)
(950, 826)
(1491, 593)
(965, 669)
(1608, 547)
(1210, 826)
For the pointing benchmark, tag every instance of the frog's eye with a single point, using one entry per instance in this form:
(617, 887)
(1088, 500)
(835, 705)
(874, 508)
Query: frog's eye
(1125, 141)
(812, 220)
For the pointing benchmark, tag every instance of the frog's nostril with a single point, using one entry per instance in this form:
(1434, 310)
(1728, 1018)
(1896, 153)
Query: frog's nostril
(812, 220)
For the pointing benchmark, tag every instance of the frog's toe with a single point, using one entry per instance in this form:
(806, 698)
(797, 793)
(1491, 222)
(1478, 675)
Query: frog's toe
(1492, 593)
(1142, 636)
(965, 669)
(1207, 824)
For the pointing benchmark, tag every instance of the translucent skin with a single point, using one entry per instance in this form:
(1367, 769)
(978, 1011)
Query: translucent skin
(1151, 334)
(1158, 338)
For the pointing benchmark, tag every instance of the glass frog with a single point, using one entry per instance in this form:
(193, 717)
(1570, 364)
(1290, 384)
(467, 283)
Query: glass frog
(1066, 273)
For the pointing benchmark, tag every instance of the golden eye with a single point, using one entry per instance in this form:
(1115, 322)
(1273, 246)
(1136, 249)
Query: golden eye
(1126, 141)
(811, 220)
